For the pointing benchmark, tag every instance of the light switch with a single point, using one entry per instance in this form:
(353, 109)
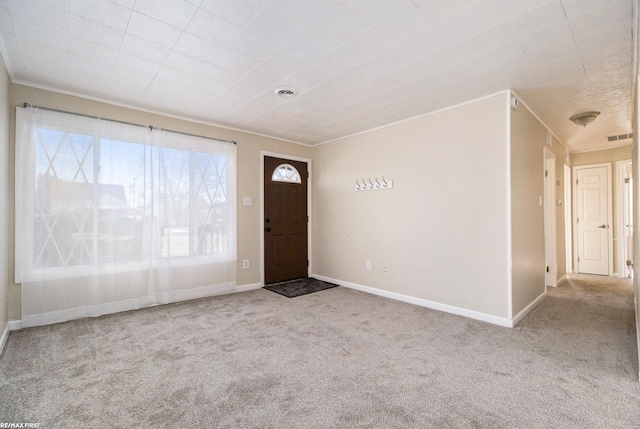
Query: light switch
(247, 201)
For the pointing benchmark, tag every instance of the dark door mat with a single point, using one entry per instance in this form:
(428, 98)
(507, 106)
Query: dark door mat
(299, 287)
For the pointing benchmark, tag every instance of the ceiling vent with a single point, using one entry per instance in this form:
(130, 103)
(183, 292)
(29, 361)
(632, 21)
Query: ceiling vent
(620, 137)
(286, 92)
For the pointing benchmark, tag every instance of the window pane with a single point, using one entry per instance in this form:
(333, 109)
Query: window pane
(121, 200)
(286, 173)
(63, 222)
(174, 201)
(210, 180)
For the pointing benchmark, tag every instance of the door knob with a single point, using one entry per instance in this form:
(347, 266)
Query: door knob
(602, 226)
(267, 229)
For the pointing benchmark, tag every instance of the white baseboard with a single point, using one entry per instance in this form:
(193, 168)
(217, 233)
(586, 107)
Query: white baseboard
(193, 293)
(528, 308)
(561, 279)
(3, 338)
(500, 321)
(12, 325)
(245, 288)
(620, 276)
(131, 304)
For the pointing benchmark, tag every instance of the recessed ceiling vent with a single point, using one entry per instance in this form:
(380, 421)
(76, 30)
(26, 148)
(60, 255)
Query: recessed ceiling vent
(285, 91)
(620, 137)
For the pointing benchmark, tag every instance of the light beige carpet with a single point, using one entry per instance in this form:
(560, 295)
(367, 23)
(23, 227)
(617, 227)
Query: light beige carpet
(333, 359)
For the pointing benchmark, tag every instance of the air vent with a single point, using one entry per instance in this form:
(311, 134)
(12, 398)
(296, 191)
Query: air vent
(286, 92)
(620, 137)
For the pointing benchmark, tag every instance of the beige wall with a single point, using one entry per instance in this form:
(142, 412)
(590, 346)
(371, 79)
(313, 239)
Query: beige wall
(561, 246)
(610, 156)
(4, 194)
(528, 140)
(599, 156)
(441, 232)
(249, 147)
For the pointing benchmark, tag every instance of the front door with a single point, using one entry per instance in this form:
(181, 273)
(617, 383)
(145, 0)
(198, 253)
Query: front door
(285, 220)
(592, 214)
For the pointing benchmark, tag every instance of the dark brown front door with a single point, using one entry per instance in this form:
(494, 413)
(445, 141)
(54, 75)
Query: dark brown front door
(285, 220)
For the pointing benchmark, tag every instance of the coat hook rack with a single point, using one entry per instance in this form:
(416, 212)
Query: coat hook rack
(373, 185)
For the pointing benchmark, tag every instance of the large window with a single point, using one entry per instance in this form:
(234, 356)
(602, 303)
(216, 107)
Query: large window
(95, 194)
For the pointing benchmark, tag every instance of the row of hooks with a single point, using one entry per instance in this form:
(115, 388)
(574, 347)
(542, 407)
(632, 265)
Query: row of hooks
(372, 185)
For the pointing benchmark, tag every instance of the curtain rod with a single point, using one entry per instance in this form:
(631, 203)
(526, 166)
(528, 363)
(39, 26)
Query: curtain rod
(26, 105)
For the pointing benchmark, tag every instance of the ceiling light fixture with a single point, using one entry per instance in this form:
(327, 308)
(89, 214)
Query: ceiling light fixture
(584, 118)
(286, 92)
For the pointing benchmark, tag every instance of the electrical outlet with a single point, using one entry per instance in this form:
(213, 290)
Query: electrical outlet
(367, 265)
(245, 264)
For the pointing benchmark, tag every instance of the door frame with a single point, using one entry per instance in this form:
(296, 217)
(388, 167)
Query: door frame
(620, 225)
(550, 238)
(568, 233)
(574, 204)
(263, 154)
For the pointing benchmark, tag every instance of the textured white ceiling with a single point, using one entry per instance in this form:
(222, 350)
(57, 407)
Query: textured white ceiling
(357, 64)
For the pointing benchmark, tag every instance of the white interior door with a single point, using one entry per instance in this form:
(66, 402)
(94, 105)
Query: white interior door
(593, 207)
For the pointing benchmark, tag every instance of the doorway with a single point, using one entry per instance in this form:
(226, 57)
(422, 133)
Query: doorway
(593, 207)
(285, 221)
(550, 251)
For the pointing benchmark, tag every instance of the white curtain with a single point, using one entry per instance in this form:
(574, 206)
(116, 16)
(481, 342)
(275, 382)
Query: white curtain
(113, 217)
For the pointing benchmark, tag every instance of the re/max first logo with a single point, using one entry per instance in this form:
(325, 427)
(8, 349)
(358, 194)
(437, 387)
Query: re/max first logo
(19, 425)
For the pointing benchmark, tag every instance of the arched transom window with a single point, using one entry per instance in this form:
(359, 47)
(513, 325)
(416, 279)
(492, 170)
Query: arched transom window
(286, 173)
